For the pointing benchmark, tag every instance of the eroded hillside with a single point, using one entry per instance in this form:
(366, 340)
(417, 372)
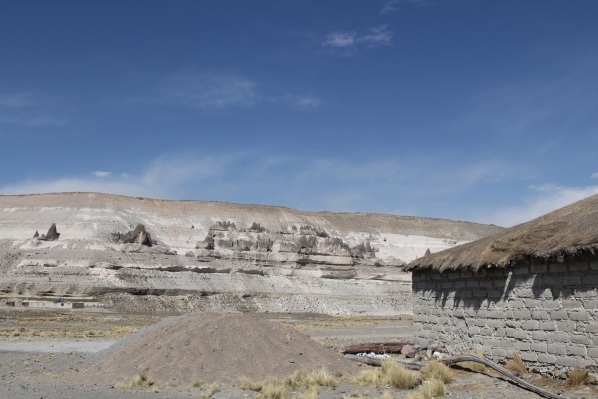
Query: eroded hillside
(141, 253)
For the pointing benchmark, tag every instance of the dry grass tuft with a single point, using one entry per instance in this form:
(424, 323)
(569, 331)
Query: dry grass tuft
(212, 389)
(312, 393)
(578, 376)
(248, 385)
(429, 389)
(516, 364)
(141, 380)
(474, 366)
(438, 371)
(391, 373)
(197, 383)
(273, 389)
(386, 396)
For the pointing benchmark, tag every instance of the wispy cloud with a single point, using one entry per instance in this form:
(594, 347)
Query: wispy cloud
(594, 176)
(101, 173)
(391, 6)
(379, 36)
(213, 92)
(287, 180)
(340, 39)
(28, 109)
(544, 199)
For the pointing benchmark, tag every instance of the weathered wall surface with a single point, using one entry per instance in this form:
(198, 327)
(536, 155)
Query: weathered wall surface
(548, 311)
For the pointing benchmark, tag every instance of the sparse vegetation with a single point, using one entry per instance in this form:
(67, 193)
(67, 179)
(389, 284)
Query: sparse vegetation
(474, 366)
(578, 376)
(277, 389)
(391, 373)
(432, 388)
(312, 393)
(438, 371)
(197, 383)
(212, 389)
(141, 380)
(516, 364)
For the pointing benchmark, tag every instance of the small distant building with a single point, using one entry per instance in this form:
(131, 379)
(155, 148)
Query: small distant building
(531, 288)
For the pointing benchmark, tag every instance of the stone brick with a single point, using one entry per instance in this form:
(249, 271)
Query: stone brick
(566, 326)
(591, 304)
(486, 331)
(557, 267)
(586, 293)
(453, 275)
(472, 284)
(473, 330)
(577, 350)
(488, 283)
(494, 294)
(532, 303)
(549, 303)
(480, 293)
(447, 284)
(529, 356)
(458, 313)
(566, 361)
(465, 294)
(500, 333)
(466, 274)
(539, 335)
(579, 315)
(558, 337)
(516, 304)
(546, 358)
(593, 352)
(520, 334)
(572, 303)
(458, 284)
(521, 270)
(499, 352)
(541, 268)
(540, 315)
(559, 315)
(578, 267)
(530, 325)
(572, 280)
(521, 346)
(539, 346)
(580, 339)
(556, 349)
(522, 314)
(498, 314)
(591, 328)
(510, 332)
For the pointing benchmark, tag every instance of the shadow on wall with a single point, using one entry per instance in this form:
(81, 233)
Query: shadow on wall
(551, 279)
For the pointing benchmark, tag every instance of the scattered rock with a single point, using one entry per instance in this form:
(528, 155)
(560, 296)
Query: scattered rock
(137, 236)
(36, 234)
(52, 234)
(408, 350)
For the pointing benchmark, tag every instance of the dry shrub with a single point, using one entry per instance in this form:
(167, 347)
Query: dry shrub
(437, 370)
(212, 389)
(474, 366)
(197, 383)
(578, 376)
(312, 393)
(516, 364)
(141, 380)
(433, 388)
(248, 385)
(273, 389)
(396, 375)
(391, 373)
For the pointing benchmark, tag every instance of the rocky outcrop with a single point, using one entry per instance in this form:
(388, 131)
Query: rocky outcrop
(52, 234)
(139, 235)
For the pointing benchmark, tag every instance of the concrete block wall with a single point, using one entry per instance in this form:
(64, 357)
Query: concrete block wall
(546, 310)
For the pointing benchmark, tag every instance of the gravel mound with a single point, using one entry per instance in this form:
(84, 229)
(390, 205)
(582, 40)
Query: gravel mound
(216, 347)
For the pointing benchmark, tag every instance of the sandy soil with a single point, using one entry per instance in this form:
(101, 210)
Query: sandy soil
(25, 373)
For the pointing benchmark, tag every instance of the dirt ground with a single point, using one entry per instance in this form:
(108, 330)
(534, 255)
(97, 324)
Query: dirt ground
(43, 354)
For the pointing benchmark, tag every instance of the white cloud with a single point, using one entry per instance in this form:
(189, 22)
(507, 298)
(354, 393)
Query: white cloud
(212, 92)
(391, 6)
(209, 91)
(15, 100)
(594, 176)
(340, 39)
(546, 198)
(100, 173)
(379, 36)
(29, 109)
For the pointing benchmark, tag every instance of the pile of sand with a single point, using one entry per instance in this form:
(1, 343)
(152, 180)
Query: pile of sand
(216, 347)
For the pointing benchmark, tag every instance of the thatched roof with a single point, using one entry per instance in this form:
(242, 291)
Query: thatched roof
(567, 231)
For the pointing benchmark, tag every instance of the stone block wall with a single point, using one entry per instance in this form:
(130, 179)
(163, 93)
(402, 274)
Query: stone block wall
(546, 310)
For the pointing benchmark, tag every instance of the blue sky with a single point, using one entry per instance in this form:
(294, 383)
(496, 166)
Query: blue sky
(472, 110)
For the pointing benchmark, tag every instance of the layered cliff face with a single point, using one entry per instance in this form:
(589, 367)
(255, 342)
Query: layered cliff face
(146, 254)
